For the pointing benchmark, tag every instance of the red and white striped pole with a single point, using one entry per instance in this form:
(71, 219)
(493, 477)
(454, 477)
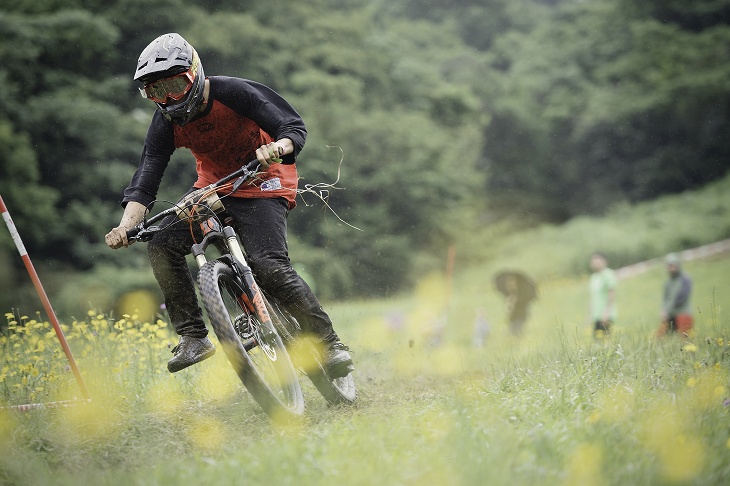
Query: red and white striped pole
(42, 294)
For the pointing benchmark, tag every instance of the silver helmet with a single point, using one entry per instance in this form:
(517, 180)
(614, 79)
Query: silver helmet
(172, 76)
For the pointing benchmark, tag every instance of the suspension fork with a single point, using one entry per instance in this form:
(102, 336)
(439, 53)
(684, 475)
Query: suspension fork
(213, 232)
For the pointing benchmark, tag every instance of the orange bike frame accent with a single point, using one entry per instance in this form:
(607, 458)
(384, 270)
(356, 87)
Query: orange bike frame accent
(210, 224)
(259, 304)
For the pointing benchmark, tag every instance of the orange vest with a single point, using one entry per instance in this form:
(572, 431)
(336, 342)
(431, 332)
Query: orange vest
(222, 141)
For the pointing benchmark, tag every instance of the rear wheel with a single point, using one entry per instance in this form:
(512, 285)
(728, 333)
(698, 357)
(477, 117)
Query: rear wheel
(307, 356)
(334, 390)
(250, 342)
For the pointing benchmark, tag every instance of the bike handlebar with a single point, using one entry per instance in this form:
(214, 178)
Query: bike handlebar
(132, 234)
(144, 231)
(246, 171)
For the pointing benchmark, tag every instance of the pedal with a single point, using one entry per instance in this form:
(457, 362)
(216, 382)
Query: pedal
(249, 344)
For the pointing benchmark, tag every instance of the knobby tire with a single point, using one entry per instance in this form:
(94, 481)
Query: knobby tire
(260, 359)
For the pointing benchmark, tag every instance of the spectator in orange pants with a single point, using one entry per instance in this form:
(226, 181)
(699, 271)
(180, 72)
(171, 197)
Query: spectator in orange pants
(676, 307)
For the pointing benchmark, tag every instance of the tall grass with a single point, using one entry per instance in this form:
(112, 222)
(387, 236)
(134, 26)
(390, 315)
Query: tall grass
(556, 407)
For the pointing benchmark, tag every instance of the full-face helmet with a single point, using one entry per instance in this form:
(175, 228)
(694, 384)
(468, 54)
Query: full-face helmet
(172, 76)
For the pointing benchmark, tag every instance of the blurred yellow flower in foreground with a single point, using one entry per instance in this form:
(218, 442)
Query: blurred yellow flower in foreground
(207, 433)
(690, 348)
(665, 433)
(584, 466)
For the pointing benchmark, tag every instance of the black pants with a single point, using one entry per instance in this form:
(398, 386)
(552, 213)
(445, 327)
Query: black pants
(604, 326)
(261, 226)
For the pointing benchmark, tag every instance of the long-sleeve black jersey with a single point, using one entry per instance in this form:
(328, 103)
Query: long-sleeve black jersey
(239, 117)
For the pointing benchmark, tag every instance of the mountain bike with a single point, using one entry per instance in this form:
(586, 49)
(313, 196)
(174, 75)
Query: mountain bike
(254, 330)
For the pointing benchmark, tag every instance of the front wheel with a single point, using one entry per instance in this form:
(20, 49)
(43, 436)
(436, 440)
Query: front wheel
(250, 342)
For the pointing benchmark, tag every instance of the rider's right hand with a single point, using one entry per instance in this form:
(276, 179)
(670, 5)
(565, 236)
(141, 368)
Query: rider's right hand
(117, 238)
(133, 214)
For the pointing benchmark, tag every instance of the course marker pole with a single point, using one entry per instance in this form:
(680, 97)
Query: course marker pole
(450, 258)
(42, 294)
(27, 407)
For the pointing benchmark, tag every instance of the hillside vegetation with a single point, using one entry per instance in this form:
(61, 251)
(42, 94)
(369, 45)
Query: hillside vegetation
(627, 234)
(447, 115)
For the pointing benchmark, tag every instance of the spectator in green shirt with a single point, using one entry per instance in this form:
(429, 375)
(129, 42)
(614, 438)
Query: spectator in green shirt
(602, 295)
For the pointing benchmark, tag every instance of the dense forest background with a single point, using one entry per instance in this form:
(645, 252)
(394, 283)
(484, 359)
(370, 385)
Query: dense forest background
(450, 118)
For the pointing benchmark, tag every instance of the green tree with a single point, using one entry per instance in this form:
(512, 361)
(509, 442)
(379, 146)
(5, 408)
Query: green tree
(544, 108)
(394, 95)
(597, 106)
(695, 16)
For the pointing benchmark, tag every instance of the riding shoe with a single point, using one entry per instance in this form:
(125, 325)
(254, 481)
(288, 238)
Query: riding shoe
(190, 350)
(337, 360)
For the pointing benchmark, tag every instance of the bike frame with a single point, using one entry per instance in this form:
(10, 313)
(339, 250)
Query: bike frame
(214, 233)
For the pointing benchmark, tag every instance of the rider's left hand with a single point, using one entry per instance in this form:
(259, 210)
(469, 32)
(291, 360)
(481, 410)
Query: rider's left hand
(270, 153)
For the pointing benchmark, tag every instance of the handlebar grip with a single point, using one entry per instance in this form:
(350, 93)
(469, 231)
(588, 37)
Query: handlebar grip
(132, 233)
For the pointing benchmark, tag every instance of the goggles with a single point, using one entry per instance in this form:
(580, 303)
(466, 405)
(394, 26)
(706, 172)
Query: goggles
(174, 87)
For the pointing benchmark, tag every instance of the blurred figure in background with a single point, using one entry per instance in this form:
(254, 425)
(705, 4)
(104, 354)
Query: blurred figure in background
(602, 287)
(435, 330)
(676, 307)
(519, 291)
(481, 328)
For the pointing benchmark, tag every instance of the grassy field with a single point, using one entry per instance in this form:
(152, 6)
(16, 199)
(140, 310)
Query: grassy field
(556, 407)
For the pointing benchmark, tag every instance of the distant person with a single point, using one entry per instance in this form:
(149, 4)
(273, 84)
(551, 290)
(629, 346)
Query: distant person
(676, 312)
(482, 329)
(519, 291)
(516, 307)
(602, 295)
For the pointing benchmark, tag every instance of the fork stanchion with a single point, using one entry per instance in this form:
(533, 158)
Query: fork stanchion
(42, 294)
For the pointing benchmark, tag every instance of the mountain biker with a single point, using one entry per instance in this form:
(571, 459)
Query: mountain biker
(224, 122)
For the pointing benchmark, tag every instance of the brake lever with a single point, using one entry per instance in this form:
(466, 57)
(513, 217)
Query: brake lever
(133, 233)
(146, 234)
(140, 233)
(244, 177)
(238, 183)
